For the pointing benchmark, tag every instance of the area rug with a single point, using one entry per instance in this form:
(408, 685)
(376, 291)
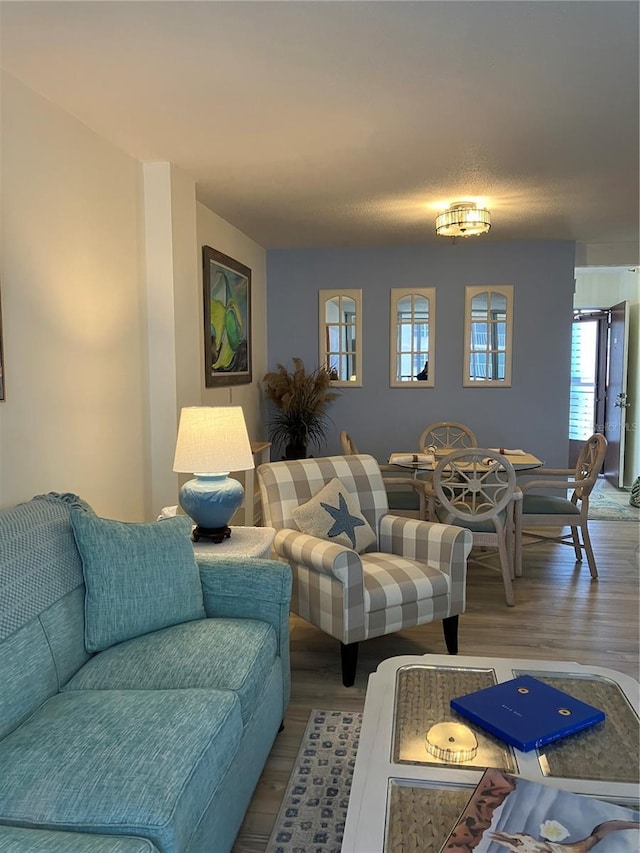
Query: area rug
(314, 807)
(603, 508)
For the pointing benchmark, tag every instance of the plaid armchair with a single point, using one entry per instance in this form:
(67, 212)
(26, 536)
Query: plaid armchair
(415, 573)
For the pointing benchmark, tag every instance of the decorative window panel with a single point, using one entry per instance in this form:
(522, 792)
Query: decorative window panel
(412, 337)
(340, 343)
(488, 335)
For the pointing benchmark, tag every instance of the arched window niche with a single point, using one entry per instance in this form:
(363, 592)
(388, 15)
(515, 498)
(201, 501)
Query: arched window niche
(340, 343)
(488, 335)
(412, 337)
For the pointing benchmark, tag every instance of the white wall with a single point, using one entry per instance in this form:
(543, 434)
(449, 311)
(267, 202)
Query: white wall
(173, 301)
(608, 254)
(73, 311)
(102, 303)
(602, 287)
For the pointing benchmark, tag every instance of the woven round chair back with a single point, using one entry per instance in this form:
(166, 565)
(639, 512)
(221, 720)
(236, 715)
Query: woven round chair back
(589, 463)
(446, 434)
(474, 484)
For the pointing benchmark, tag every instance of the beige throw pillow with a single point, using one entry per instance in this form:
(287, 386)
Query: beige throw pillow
(334, 514)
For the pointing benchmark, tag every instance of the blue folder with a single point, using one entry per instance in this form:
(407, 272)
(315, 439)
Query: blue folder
(526, 712)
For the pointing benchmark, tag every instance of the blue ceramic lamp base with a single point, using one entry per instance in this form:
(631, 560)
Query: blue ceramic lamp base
(211, 500)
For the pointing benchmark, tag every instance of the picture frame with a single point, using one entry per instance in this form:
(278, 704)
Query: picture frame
(227, 320)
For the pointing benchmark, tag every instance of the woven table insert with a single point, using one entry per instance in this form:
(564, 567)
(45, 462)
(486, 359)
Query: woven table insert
(420, 818)
(609, 751)
(422, 699)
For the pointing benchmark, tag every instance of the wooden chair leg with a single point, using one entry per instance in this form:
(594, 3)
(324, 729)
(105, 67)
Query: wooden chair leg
(576, 543)
(505, 565)
(587, 547)
(450, 631)
(510, 536)
(517, 545)
(349, 657)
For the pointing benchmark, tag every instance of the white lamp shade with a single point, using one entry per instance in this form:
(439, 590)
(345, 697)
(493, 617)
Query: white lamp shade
(211, 440)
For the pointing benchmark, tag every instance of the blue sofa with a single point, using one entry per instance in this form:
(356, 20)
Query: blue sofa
(155, 743)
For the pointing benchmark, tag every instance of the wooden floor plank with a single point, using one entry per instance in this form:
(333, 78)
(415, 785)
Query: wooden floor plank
(560, 614)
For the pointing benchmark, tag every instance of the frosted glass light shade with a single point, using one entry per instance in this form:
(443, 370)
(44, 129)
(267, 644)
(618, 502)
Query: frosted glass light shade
(463, 219)
(212, 440)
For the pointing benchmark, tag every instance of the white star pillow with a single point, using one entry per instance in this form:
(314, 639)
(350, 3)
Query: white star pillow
(334, 514)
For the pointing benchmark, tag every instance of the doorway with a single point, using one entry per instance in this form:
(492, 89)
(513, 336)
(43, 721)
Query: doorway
(598, 399)
(588, 377)
(616, 403)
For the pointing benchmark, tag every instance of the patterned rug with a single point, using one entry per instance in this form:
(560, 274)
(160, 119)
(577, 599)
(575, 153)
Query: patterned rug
(604, 508)
(314, 807)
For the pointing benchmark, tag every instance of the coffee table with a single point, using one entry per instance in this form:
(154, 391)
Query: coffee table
(405, 798)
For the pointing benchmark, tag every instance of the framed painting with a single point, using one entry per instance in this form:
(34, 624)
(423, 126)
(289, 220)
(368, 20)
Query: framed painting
(227, 320)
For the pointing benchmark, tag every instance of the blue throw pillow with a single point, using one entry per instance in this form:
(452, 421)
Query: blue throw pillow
(138, 577)
(334, 514)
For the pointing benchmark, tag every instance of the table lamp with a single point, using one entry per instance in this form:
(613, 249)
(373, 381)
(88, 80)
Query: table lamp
(212, 440)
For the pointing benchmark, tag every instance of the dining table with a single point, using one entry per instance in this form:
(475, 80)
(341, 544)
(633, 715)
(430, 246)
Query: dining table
(521, 460)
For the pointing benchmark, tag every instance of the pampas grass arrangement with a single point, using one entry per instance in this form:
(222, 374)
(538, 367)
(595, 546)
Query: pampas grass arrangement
(301, 398)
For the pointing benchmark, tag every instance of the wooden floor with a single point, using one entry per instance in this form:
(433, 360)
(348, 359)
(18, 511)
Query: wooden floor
(560, 614)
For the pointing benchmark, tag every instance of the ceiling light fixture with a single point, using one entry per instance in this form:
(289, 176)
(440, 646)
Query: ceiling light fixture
(463, 219)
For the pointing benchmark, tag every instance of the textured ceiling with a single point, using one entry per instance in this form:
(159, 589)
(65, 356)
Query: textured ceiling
(352, 123)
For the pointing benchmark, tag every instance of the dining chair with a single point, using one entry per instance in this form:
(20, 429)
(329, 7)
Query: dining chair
(411, 572)
(446, 434)
(406, 495)
(476, 488)
(549, 510)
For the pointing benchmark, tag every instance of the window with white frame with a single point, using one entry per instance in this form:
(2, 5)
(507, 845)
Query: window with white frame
(412, 337)
(488, 335)
(340, 343)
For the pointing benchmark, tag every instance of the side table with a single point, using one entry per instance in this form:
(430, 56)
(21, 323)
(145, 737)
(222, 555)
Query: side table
(243, 542)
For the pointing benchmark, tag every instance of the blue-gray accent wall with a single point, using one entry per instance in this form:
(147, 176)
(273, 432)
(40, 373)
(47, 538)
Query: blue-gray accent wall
(533, 413)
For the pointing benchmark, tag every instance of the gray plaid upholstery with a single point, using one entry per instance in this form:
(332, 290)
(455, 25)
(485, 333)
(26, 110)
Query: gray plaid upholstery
(415, 573)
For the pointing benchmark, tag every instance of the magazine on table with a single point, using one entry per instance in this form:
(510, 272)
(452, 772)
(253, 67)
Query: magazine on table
(508, 814)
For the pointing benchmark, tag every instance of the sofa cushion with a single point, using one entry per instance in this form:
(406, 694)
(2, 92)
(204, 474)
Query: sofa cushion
(138, 577)
(27, 675)
(125, 762)
(334, 514)
(63, 624)
(391, 580)
(17, 839)
(228, 654)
